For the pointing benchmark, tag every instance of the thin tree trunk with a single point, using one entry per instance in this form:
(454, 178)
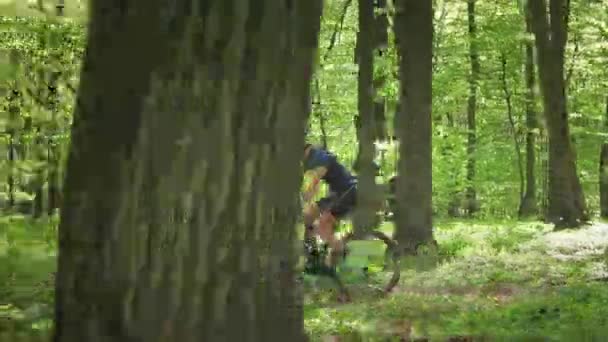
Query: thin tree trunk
(364, 217)
(604, 172)
(414, 27)
(604, 181)
(53, 148)
(14, 109)
(321, 115)
(528, 205)
(219, 142)
(471, 196)
(567, 206)
(11, 170)
(508, 97)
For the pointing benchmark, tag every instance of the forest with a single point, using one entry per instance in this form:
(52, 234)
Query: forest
(152, 179)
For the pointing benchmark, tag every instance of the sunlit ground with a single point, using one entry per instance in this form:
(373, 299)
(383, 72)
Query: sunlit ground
(494, 279)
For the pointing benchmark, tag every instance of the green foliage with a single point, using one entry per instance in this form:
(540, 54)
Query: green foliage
(498, 279)
(501, 31)
(40, 69)
(27, 253)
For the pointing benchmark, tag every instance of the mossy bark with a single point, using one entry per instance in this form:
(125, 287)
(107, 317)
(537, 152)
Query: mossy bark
(180, 200)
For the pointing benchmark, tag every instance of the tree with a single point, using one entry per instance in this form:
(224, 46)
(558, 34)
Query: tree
(471, 202)
(414, 30)
(567, 206)
(364, 121)
(180, 201)
(528, 205)
(604, 172)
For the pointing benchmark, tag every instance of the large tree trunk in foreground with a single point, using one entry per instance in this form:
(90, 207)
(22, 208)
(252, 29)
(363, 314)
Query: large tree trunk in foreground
(207, 120)
(528, 206)
(414, 29)
(471, 196)
(567, 206)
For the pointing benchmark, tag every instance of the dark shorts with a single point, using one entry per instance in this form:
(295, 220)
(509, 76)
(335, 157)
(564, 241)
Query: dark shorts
(339, 204)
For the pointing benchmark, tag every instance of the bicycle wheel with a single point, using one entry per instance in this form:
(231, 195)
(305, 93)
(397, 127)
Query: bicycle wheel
(392, 250)
(316, 265)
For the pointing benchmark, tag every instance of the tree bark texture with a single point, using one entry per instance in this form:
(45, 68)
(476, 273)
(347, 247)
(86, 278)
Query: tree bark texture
(528, 205)
(566, 202)
(364, 216)
(471, 197)
(180, 199)
(414, 29)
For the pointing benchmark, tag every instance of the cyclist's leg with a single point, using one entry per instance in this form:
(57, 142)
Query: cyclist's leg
(311, 213)
(330, 218)
(324, 227)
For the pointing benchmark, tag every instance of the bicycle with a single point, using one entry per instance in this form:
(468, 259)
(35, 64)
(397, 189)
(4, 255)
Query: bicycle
(317, 257)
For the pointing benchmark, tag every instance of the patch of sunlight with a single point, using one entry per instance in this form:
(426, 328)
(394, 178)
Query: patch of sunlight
(578, 244)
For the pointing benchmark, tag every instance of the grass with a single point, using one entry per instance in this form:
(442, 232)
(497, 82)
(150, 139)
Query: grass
(494, 280)
(27, 256)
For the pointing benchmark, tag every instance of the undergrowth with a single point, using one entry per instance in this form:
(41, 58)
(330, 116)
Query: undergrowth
(487, 281)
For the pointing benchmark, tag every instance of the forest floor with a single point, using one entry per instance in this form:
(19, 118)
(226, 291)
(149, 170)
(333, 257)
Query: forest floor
(490, 279)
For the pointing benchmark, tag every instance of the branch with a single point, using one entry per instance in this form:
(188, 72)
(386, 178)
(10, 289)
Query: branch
(337, 29)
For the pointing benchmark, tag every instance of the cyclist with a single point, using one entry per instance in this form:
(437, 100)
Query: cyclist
(324, 166)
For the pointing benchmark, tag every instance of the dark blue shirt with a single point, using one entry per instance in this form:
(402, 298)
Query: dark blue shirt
(338, 178)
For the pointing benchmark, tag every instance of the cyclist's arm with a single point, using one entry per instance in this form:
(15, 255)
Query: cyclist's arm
(316, 174)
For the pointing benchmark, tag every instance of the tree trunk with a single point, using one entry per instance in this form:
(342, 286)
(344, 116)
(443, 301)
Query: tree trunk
(471, 196)
(604, 181)
(604, 172)
(53, 149)
(511, 118)
(567, 206)
(53, 178)
(528, 206)
(211, 124)
(320, 114)
(14, 109)
(41, 174)
(414, 28)
(364, 216)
